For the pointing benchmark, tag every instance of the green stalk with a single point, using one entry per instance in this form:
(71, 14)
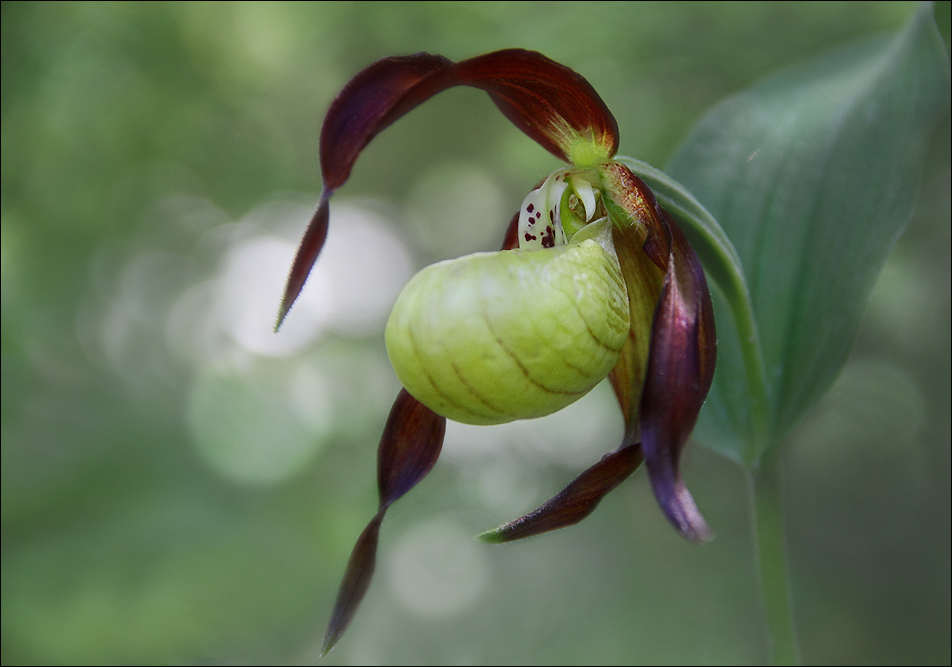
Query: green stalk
(771, 550)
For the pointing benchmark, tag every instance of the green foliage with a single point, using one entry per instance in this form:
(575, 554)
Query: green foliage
(812, 174)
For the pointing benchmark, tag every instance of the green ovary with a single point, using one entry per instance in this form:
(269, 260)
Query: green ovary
(493, 337)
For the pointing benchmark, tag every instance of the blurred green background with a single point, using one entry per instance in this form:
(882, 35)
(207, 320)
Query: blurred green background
(181, 485)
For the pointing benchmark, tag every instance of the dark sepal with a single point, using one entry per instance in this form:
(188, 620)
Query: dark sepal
(356, 581)
(679, 374)
(411, 443)
(574, 502)
(549, 102)
(369, 102)
(409, 447)
(372, 100)
(306, 255)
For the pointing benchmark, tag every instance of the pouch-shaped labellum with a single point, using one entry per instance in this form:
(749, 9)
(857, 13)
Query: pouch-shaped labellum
(493, 337)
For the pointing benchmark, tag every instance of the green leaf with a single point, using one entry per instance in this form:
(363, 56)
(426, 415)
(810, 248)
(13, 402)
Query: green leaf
(813, 175)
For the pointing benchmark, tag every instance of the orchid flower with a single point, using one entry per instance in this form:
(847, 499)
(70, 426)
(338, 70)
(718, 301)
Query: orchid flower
(594, 280)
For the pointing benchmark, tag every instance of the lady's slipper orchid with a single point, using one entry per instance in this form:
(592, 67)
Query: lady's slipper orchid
(594, 280)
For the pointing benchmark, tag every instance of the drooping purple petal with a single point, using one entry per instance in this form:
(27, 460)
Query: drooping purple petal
(369, 102)
(356, 581)
(411, 443)
(574, 502)
(680, 371)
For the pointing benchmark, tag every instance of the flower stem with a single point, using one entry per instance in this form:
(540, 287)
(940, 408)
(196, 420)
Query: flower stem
(771, 551)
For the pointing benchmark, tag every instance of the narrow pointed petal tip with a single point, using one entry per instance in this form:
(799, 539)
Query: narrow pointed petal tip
(356, 581)
(307, 253)
(575, 502)
(409, 447)
(494, 536)
(677, 503)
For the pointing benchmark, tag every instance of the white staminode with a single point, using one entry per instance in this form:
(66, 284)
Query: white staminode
(540, 220)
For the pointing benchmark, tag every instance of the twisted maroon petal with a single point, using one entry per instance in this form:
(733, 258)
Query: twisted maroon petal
(369, 102)
(409, 447)
(679, 374)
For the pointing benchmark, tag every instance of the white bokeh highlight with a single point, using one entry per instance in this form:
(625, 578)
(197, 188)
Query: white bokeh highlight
(245, 425)
(263, 404)
(350, 291)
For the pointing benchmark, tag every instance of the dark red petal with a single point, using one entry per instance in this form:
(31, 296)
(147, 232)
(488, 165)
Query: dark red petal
(548, 101)
(360, 570)
(409, 447)
(371, 101)
(305, 257)
(680, 371)
(574, 502)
